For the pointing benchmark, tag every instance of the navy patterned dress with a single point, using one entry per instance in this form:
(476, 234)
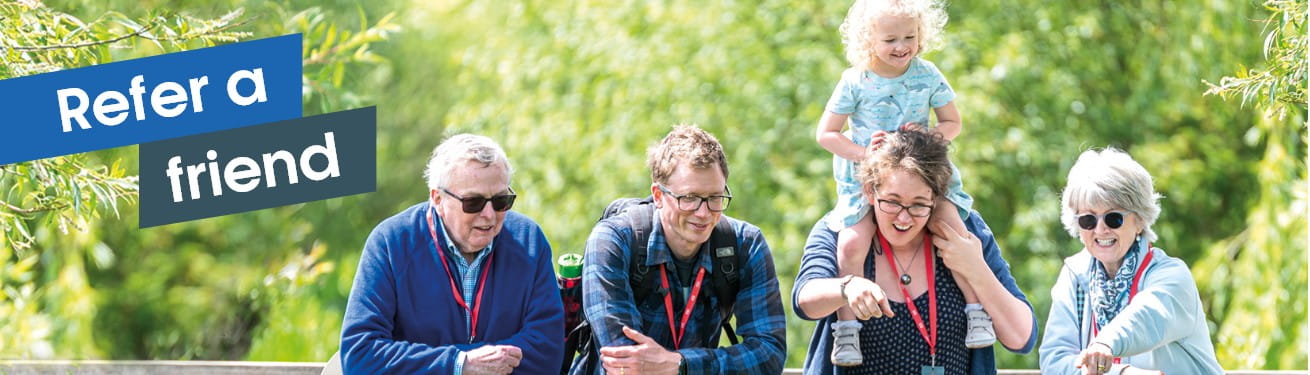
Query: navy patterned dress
(894, 345)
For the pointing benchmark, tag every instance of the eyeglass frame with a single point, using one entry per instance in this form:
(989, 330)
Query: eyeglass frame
(1102, 218)
(480, 202)
(700, 201)
(902, 207)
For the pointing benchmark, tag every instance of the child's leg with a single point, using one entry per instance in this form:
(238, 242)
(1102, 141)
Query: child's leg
(852, 247)
(981, 333)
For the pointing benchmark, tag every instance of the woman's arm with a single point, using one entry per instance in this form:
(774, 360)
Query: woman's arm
(1164, 310)
(1012, 317)
(817, 291)
(823, 297)
(1062, 340)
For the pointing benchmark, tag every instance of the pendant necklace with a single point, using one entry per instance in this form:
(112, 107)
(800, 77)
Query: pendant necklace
(905, 270)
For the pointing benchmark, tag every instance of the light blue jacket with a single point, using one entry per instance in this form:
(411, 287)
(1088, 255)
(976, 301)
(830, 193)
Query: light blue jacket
(1163, 328)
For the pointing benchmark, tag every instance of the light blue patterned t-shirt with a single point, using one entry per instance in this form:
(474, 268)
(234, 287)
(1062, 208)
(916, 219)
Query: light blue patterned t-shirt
(878, 103)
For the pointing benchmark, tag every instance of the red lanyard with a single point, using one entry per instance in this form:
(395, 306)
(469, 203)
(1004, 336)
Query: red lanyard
(1132, 291)
(932, 292)
(459, 297)
(686, 311)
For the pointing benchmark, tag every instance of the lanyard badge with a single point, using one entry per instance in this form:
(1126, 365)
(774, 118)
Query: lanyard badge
(472, 314)
(929, 334)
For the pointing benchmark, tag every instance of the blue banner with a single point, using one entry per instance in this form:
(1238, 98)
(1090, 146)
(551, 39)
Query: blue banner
(151, 99)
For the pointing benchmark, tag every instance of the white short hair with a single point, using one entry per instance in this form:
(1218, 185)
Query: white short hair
(1110, 177)
(459, 150)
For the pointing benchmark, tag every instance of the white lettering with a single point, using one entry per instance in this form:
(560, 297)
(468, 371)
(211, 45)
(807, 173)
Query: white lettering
(287, 159)
(173, 172)
(160, 99)
(330, 151)
(233, 176)
(102, 109)
(257, 77)
(167, 99)
(77, 114)
(242, 174)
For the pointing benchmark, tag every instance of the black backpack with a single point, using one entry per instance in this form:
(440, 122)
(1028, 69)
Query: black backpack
(725, 280)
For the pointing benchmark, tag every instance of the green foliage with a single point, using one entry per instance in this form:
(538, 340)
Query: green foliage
(1268, 329)
(1280, 86)
(181, 297)
(69, 191)
(576, 90)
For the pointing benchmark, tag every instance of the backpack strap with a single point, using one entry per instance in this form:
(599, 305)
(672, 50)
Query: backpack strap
(639, 218)
(727, 261)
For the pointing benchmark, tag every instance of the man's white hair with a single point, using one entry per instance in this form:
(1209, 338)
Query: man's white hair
(459, 150)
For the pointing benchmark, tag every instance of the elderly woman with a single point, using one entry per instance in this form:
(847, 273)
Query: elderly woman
(1121, 305)
(910, 307)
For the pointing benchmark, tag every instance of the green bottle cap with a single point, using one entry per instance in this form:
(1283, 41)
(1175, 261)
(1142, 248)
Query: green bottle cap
(570, 265)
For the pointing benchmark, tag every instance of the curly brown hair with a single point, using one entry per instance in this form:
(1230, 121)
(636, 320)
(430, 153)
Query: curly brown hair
(685, 142)
(920, 152)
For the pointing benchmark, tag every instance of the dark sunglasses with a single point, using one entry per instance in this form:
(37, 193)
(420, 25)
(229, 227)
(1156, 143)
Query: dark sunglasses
(1113, 219)
(473, 205)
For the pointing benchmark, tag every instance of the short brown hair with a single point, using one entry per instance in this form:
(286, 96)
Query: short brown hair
(689, 143)
(922, 153)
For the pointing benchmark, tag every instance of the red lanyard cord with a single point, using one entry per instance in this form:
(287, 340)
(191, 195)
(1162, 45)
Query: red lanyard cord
(1132, 291)
(686, 311)
(459, 297)
(931, 338)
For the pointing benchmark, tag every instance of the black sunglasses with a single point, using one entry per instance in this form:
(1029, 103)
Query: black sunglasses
(473, 205)
(1113, 219)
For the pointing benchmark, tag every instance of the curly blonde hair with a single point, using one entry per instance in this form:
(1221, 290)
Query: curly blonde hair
(858, 26)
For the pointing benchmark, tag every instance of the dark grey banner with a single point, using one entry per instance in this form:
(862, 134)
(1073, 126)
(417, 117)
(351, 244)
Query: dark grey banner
(257, 167)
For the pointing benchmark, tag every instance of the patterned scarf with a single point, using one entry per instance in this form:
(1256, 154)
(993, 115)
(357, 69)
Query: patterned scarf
(1111, 296)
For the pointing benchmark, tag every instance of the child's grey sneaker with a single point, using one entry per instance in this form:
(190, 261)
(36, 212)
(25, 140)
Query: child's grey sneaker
(846, 343)
(981, 333)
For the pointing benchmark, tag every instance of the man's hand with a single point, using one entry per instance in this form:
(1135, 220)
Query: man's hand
(492, 360)
(647, 357)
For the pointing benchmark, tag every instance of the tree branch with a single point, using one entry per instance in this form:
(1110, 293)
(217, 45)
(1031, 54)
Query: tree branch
(29, 211)
(80, 45)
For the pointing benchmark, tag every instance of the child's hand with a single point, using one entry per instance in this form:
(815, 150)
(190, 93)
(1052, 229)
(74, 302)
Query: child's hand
(912, 126)
(875, 141)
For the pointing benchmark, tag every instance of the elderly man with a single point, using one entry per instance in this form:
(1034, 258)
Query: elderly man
(669, 323)
(457, 284)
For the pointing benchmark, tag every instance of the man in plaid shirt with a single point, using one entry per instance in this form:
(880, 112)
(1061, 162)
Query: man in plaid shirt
(661, 335)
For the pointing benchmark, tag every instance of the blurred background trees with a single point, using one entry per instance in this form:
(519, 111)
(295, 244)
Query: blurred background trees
(577, 90)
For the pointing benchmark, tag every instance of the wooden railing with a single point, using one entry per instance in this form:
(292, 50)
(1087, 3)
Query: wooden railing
(288, 368)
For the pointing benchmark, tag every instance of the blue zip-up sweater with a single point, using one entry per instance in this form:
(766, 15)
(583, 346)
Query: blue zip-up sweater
(402, 317)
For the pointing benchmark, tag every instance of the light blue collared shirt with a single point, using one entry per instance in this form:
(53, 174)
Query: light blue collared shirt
(465, 271)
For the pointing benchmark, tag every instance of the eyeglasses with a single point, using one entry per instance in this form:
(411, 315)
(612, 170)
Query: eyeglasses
(716, 203)
(895, 208)
(1113, 219)
(473, 205)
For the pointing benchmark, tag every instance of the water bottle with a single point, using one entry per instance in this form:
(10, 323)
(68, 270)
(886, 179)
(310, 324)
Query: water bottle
(570, 289)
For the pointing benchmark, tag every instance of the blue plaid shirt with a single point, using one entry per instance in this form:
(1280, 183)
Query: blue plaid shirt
(608, 302)
(467, 272)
